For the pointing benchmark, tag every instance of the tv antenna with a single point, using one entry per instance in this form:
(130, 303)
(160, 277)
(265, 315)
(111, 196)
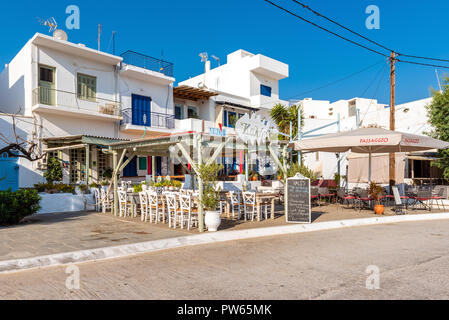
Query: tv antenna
(216, 59)
(50, 22)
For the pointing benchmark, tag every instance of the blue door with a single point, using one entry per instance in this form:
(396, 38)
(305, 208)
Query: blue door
(131, 168)
(141, 110)
(9, 173)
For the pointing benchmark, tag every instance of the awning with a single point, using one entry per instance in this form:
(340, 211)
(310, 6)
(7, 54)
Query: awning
(75, 141)
(191, 93)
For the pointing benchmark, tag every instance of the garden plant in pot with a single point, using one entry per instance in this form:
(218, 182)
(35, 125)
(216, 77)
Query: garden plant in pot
(211, 196)
(375, 191)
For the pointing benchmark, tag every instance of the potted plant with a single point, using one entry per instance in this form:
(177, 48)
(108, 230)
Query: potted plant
(375, 191)
(211, 196)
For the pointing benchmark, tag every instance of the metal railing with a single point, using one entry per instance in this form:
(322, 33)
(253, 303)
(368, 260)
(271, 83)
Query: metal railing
(147, 62)
(157, 120)
(60, 98)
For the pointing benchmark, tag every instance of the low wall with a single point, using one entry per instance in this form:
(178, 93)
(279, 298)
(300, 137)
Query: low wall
(64, 202)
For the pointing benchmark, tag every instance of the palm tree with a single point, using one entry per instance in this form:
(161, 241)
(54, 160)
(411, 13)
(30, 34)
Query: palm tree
(283, 115)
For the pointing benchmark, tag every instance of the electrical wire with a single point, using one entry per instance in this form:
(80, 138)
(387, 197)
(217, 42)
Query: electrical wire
(342, 26)
(322, 28)
(336, 81)
(423, 64)
(366, 38)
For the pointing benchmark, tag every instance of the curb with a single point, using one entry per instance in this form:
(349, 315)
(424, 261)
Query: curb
(97, 254)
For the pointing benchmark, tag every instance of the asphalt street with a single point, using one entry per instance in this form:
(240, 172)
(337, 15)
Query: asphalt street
(412, 259)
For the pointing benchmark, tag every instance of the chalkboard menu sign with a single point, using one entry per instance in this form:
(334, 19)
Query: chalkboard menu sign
(298, 200)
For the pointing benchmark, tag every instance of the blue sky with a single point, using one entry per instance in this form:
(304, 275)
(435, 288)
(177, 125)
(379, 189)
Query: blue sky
(182, 29)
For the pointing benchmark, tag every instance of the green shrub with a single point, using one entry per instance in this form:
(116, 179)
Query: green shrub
(14, 206)
(54, 170)
(54, 188)
(211, 197)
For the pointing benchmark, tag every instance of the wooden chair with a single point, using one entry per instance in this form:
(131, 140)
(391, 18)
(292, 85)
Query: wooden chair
(106, 200)
(124, 203)
(438, 196)
(154, 207)
(97, 199)
(143, 197)
(172, 209)
(249, 202)
(187, 214)
(235, 202)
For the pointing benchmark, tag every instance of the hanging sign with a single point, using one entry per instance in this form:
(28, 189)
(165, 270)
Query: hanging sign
(254, 129)
(298, 200)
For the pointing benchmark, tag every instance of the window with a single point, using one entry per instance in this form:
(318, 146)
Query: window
(46, 74)
(143, 163)
(87, 87)
(265, 90)
(230, 118)
(192, 112)
(179, 114)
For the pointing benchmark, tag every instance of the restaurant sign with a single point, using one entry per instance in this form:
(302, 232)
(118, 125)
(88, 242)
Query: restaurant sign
(252, 129)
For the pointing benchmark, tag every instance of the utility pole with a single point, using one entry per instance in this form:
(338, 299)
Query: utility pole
(392, 170)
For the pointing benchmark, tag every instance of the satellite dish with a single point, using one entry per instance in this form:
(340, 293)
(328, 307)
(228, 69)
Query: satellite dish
(60, 35)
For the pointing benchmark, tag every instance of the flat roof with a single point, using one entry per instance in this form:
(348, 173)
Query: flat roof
(75, 49)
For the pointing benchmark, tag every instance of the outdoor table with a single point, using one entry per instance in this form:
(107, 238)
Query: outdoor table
(262, 197)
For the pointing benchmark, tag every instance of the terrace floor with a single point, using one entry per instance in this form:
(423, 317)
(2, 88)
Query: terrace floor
(46, 234)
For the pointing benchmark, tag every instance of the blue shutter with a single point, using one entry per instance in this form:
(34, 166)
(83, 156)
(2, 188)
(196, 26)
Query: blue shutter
(265, 90)
(141, 106)
(225, 118)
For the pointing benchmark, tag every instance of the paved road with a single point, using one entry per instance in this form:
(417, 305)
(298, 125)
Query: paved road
(413, 259)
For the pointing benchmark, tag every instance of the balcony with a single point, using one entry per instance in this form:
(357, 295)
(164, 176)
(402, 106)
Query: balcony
(149, 63)
(154, 121)
(59, 101)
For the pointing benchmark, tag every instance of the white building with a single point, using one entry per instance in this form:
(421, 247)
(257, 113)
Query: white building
(321, 117)
(79, 100)
(82, 99)
(245, 84)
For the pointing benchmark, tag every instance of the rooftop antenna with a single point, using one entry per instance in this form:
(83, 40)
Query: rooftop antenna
(113, 42)
(216, 59)
(204, 58)
(99, 36)
(51, 23)
(438, 79)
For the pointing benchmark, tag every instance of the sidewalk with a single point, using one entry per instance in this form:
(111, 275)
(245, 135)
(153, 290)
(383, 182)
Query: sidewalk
(48, 234)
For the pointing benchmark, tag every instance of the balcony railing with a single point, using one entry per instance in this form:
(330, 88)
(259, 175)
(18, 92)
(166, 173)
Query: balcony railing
(146, 62)
(59, 98)
(157, 120)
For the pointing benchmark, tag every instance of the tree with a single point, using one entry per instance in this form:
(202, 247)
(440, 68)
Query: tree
(54, 170)
(283, 115)
(19, 146)
(438, 114)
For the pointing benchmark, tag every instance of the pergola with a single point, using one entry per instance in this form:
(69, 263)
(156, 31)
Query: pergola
(195, 148)
(78, 142)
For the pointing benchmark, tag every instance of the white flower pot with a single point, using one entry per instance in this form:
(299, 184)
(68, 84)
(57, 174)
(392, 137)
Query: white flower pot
(212, 220)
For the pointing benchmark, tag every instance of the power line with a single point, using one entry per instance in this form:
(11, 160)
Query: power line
(341, 26)
(336, 81)
(423, 64)
(366, 38)
(327, 30)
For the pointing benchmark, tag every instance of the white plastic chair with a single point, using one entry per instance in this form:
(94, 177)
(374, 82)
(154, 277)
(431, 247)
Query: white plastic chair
(249, 201)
